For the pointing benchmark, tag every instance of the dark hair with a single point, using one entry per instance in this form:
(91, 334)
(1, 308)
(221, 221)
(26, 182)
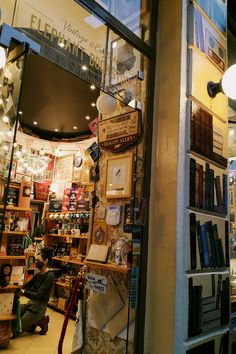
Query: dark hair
(46, 253)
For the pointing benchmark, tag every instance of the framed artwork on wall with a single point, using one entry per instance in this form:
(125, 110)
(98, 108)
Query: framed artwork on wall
(99, 233)
(119, 176)
(64, 168)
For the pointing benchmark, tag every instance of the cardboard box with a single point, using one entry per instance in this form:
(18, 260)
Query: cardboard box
(62, 303)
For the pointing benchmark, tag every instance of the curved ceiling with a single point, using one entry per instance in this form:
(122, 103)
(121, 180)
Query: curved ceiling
(55, 99)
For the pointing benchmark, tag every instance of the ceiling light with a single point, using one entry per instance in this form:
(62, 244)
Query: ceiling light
(5, 147)
(41, 152)
(92, 87)
(74, 127)
(56, 130)
(5, 119)
(93, 104)
(106, 104)
(84, 68)
(24, 150)
(227, 84)
(9, 133)
(87, 117)
(18, 153)
(114, 45)
(7, 99)
(15, 145)
(35, 123)
(20, 112)
(2, 57)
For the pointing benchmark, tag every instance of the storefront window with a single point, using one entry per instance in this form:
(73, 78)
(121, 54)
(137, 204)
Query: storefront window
(134, 14)
(88, 172)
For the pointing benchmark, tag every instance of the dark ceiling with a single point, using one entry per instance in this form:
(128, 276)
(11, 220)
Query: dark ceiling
(55, 99)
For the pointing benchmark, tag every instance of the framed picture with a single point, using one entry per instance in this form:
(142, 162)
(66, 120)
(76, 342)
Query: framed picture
(125, 61)
(48, 175)
(87, 164)
(99, 233)
(64, 168)
(119, 176)
(19, 177)
(77, 174)
(38, 177)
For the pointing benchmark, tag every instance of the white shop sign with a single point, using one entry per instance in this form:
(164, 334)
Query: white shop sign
(96, 283)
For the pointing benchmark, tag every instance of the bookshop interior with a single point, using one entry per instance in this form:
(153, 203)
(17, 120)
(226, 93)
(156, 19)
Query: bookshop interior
(65, 191)
(86, 179)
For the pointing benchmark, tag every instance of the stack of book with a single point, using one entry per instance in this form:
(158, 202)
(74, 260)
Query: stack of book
(205, 239)
(207, 191)
(206, 139)
(208, 313)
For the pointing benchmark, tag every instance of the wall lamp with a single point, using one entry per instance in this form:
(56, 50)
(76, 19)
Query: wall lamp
(227, 84)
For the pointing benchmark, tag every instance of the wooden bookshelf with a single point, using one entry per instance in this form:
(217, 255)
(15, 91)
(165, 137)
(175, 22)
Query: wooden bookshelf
(191, 343)
(207, 212)
(109, 266)
(207, 159)
(20, 233)
(197, 272)
(8, 318)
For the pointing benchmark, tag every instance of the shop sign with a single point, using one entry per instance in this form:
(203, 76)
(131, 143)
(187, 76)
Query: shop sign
(117, 133)
(96, 283)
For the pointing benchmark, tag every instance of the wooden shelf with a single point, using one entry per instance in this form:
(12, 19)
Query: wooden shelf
(197, 272)
(23, 233)
(11, 287)
(73, 261)
(69, 212)
(35, 201)
(207, 212)
(63, 285)
(29, 269)
(110, 266)
(8, 318)
(12, 257)
(14, 208)
(192, 342)
(70, 236)
(207, 159)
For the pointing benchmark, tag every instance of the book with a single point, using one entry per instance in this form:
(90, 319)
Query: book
(227, 259)
(200, 192)
(218, 292)
(211, 189)
(200, 247)
(217, 247)
(195, 310)
(224, 302)
(207, 261)
(211, 245)
(221, 252)
(218, 191)
(193, 257)
(192, 182)
(225, 192)
(197, 179)
(208, 304)
(211, 315)
(207, 187)
(211, 325)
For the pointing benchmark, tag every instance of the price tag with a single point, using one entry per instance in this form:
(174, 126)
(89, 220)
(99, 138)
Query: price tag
(96, 283)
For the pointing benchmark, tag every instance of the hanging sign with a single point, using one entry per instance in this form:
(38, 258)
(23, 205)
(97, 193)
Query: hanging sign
(96, 283)
(117, 133)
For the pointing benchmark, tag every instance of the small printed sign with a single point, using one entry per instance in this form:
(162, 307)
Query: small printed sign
(117, 133)
(96, 283)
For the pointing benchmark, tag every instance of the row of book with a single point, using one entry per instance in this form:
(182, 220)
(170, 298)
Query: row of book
(206, 314)
(207, 191)
(205, 239)
(206, 139)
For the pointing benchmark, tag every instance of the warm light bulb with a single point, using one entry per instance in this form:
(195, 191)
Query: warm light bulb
(9, 133)
(228, 82)
(2, 57)
(5, 119)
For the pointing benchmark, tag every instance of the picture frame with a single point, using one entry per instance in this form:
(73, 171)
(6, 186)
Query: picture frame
(19, 177)
(99, 233)
(48, 174)
(64, 168)
(119, 171)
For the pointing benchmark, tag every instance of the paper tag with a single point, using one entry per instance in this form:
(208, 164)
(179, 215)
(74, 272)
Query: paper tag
(97, 283)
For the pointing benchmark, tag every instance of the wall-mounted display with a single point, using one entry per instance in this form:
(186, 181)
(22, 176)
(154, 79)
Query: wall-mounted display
(119, 176)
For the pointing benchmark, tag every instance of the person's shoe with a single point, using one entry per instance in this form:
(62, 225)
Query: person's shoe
(43, 324)
(32, 329)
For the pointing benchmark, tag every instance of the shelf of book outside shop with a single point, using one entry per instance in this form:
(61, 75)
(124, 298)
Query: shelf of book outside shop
(207, 159)
(207, 212)
(209, 271)
(194, 341)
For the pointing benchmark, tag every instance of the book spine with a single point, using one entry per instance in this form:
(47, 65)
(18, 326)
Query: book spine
(221, 252)
(210, 255)
(218, 191)
(207, 187)
(200, 248)
(192, 182)
(227, 259)
(212, 245)
(225, 302)
(211, 189)
(197, 185)
(216, 243)
(218, 292)
(225, 192)
(200, 186)
(193, 256)
(207, 262)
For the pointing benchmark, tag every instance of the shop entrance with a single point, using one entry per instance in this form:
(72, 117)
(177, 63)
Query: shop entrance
(63, 190)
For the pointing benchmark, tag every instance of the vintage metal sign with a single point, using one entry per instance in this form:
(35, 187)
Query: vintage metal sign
(117, 133)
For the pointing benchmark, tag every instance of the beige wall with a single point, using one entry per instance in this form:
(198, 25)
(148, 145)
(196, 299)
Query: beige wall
(160, 310)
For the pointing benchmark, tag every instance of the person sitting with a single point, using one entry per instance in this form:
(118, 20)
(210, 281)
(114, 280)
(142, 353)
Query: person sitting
(37, 290)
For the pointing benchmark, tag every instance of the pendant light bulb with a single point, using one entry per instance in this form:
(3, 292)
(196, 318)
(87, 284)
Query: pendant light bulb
(228, 82)
(2, 57)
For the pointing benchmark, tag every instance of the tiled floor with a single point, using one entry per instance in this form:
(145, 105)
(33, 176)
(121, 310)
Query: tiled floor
(47, 344)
